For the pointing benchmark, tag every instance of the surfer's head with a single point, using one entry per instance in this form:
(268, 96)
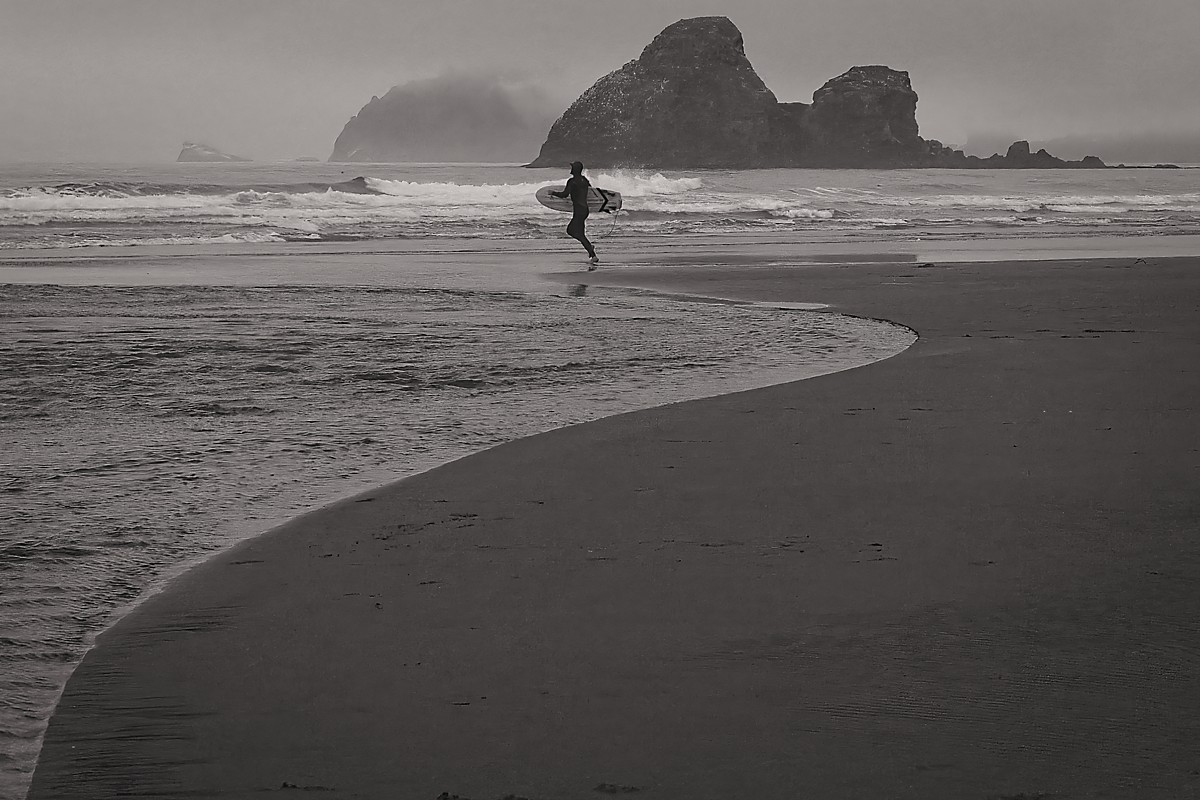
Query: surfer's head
(576, 167)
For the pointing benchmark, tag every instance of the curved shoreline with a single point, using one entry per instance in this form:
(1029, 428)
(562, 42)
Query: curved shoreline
(165, 581)
(179, 570)
(685, 604)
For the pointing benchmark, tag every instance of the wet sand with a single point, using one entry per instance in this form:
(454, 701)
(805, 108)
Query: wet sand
(969, 571)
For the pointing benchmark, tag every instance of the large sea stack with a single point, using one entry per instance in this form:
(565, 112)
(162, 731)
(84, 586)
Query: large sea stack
(864, 118)
(693, 100)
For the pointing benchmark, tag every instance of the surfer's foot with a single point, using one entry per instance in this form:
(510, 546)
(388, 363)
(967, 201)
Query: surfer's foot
(595, 259)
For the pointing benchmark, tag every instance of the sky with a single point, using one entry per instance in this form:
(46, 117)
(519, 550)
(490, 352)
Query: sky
(130, 80)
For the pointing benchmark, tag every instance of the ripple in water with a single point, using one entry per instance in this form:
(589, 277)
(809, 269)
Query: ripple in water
(144, 427)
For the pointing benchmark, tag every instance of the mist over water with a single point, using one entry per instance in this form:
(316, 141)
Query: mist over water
(1146, 148)
(453, 117)
(129, 80)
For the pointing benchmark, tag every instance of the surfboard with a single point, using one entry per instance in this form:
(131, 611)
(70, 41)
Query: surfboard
(598, 199)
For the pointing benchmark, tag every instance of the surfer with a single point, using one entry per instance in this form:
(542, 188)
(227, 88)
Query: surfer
(577, 189)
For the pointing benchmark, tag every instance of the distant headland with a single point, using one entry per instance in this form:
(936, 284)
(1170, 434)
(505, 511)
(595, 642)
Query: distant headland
(451, 118)
(201, 152)
(693, 100)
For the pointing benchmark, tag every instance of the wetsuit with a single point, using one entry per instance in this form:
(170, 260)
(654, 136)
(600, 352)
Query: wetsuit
(577, 189)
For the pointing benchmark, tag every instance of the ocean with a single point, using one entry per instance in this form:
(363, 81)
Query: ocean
(53, 206)
(193, 353)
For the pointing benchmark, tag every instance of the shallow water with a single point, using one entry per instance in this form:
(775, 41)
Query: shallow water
(155, 408)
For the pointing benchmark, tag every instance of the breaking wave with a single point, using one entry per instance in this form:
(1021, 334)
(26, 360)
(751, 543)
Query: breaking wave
(452, 200)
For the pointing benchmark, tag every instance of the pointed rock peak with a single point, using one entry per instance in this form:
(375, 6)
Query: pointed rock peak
(695, 37)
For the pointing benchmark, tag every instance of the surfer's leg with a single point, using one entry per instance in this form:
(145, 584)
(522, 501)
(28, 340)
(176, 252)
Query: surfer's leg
(575, 231)
(575, 228)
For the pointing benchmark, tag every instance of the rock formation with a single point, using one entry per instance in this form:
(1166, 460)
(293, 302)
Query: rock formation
(201, 152)
(1151, 148)
(452, 118)
(692, 100)
(866, 117)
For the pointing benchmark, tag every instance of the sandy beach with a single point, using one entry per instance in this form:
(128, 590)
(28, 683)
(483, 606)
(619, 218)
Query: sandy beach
(968, 571)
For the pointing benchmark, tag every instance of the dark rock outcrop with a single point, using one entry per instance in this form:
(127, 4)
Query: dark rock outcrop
(1138, 148)
(201, 152)
(1017, 157)
(451, 118)
(692, 100)
(866, 117)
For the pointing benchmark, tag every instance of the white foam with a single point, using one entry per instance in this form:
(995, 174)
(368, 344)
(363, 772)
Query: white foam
(448, 207)
(804, 213)
(641, 184)
(228, 238)
(1113, 203)
(452, 193)
(392, 202)
(732, 204)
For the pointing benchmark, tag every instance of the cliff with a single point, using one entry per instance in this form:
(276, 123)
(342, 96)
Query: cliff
(452, 118)
(202, 152)
(693, 100)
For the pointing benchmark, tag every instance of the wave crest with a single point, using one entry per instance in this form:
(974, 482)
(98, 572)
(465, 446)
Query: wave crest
(471, 201)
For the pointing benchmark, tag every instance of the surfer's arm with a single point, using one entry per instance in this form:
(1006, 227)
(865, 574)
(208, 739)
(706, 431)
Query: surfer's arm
(566, 192)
